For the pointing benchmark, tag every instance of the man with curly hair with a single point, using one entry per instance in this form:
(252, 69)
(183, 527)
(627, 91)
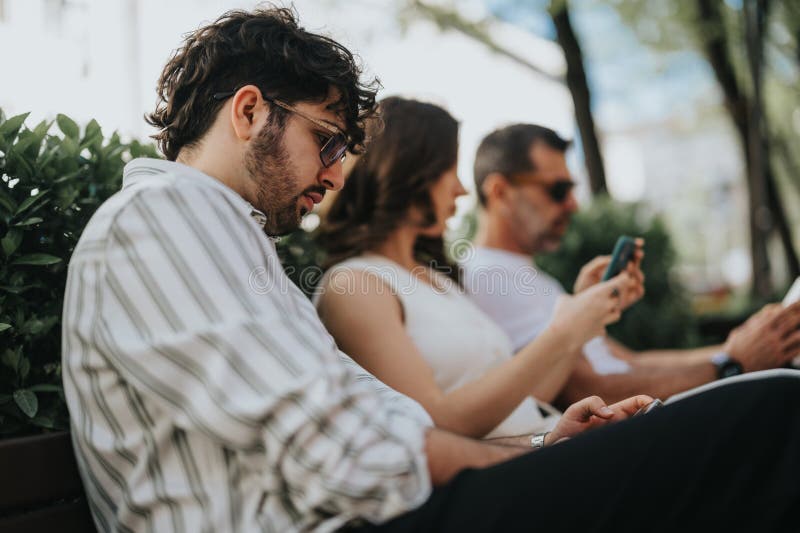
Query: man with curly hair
(205, 395)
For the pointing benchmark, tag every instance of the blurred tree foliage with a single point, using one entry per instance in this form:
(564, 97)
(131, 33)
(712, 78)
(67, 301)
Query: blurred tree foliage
(663, 318)
(448, 17)
(753, 49)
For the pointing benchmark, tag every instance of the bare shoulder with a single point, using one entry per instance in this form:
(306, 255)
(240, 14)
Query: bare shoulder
(361, 291)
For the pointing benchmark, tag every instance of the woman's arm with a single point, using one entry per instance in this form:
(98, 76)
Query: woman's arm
(367, 322)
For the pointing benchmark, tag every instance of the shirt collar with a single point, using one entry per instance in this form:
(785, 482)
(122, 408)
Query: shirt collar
(142, 169)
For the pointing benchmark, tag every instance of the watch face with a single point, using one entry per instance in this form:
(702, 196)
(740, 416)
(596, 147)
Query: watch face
(730, 369)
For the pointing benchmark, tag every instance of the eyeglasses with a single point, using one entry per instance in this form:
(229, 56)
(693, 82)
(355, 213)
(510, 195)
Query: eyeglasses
(333, 149)
(558, 190)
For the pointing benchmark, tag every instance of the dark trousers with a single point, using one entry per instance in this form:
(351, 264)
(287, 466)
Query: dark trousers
(725, 460)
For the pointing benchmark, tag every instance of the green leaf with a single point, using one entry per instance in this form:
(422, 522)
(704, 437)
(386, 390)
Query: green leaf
(45, 387)
(32, 327)
(29, 222)
(24, 368)
(11, 358)
(68, 126)
(11, 241)
(45, 422)
(92, 135)
(36, 138)
(7, 203)
(22, 288)
(27, 402)
(37, 259)
(4, 326)
(28, 202)
(10, 127)
(69, 147)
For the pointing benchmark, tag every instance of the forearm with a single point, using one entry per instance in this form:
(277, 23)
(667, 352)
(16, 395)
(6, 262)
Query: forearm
(448, 454)
(478, 407)
(659, 382)
(547, 387)
(520, 441)
(676, 358)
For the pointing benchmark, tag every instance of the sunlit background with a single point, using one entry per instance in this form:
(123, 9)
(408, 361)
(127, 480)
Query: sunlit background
(665, 135)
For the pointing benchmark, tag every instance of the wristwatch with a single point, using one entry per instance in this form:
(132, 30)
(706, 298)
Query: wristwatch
(726, 365)
(537, 441)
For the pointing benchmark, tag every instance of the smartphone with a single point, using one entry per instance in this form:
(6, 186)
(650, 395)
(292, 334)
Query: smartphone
(649, 407)
(793, 295)
(623, 252)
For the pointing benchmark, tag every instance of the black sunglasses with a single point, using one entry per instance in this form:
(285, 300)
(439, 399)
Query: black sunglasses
(558, 190)
(333, 149)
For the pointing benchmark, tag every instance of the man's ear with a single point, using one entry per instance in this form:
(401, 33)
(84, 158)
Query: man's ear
(495, 187)
(247, 112)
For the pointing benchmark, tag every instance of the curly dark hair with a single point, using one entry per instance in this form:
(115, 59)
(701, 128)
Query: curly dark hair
(266, 48)
(507, 151)
(412, 144)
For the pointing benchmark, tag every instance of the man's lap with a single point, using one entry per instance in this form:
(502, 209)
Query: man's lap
(731, 455)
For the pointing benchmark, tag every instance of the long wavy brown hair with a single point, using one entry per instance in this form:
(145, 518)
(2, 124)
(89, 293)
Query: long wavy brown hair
(410, 147)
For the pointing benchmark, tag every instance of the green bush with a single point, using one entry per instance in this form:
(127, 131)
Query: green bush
(51, 185)
(302, 258)
(663, 318)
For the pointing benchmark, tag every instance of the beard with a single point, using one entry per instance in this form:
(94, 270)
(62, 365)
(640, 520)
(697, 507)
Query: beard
(535, 235)
(269, 166)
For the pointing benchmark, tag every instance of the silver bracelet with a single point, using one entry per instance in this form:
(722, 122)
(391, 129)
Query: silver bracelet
(537, 441)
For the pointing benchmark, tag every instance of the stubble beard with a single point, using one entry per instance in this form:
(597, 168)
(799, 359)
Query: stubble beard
(269, 166)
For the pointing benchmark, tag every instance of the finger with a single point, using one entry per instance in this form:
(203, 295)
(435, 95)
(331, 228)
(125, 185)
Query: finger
(790, 346)
(619, 282)
(793, 311)
(598, 263)
(629, 406)
(786, 320)
(593, 405)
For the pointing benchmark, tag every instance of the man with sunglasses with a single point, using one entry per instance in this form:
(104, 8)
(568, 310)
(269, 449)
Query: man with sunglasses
(525, 191)
(205, 394)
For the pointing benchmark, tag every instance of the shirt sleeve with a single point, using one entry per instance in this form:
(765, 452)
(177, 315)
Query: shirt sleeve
(247, 364)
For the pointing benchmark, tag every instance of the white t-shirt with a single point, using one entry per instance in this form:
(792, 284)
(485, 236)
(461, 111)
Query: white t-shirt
(521, 298)
(457, 340)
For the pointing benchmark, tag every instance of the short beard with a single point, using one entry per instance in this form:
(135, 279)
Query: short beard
(269, 167)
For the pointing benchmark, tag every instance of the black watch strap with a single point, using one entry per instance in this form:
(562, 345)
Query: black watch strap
(726, 365)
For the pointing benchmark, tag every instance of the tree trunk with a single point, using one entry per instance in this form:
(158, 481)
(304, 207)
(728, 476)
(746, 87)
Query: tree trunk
(742, 112)
(754, 16)
(581, 97)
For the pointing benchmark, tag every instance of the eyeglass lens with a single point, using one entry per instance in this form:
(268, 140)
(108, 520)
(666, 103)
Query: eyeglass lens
(560, 190)
(333, 150)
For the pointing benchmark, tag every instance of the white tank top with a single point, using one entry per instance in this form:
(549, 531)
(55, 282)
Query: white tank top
(458, 341)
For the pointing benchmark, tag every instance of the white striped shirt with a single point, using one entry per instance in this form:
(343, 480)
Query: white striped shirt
(204, 393)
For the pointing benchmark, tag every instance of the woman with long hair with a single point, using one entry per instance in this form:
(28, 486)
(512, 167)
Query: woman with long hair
(393, 301)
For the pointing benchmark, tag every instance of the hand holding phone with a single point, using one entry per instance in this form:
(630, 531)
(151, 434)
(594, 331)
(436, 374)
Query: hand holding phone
(623, 253)
(649, 407)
